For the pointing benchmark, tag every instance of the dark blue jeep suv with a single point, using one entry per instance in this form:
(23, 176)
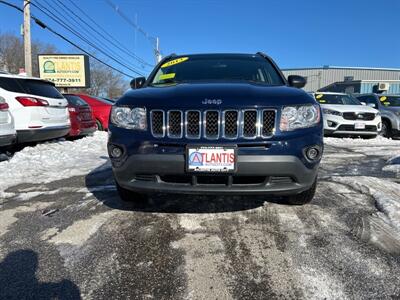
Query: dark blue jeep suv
(216, 124)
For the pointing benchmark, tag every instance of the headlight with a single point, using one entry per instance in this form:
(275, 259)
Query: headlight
(129, 118)
(331, 112)
(378, 114)
(295, 117)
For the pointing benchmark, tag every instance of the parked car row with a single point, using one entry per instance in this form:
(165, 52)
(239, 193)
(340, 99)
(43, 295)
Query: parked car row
(344, 115)
(33, 110)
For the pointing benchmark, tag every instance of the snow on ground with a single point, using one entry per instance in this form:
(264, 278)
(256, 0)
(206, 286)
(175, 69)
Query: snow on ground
(54, 160)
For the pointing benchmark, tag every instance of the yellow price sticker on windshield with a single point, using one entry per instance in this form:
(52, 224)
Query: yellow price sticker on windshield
(322, 101)
(319, 96)
(383, 98)
(386, 103)
(174, 62)
(167, 76)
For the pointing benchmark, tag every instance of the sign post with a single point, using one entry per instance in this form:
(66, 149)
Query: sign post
(65, 70)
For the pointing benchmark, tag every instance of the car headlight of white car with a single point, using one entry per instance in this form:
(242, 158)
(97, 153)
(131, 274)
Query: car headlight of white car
(129, 118)
(327, 111)
(296, 117)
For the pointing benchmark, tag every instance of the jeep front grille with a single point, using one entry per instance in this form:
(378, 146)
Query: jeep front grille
(213, 124)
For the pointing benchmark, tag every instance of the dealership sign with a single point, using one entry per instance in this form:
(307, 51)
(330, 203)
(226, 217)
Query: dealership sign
(65, 70)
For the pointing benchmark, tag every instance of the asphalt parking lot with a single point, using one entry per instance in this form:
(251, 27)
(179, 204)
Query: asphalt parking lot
(73, 238)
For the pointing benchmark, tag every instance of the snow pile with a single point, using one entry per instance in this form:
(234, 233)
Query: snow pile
(350, 142)
(385, 192)
(393, 165)
(54, 160)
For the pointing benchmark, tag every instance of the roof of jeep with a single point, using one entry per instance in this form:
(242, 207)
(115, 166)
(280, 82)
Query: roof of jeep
(216, 55)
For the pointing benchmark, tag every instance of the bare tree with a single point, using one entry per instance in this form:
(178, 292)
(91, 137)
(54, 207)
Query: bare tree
(12, 53)
(104, 81)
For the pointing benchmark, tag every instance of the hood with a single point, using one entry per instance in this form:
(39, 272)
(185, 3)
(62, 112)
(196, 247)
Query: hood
(213, 95)
(391, 108)
(350, 108)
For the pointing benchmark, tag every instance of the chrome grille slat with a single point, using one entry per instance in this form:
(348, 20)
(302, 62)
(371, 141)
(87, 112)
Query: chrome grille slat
(213, 124)
(175, 124)
(230, 124)
(157, 123)
(193, 124)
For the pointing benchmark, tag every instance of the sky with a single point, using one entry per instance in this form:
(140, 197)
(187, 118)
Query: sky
(295, 33)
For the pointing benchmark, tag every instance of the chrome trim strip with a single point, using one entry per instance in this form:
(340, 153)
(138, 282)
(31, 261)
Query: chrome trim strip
(224, 127)
(163, 121)
(173, 135)
(186, 125)
(262, 123)
(257, 124)
(205, 124)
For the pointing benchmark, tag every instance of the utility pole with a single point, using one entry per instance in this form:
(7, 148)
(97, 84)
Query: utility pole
(157, 50)
(27, 38)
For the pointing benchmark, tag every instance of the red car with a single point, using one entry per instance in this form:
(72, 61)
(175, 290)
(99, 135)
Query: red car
(101, 109)
(80, 114)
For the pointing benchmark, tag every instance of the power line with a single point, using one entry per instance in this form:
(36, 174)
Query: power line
(74, 32)
(116, 43)
(44, 26)
(133, 24)
(82, 30)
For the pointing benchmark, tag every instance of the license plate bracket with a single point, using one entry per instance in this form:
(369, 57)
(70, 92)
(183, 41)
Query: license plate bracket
(211, 159)
(359, 125)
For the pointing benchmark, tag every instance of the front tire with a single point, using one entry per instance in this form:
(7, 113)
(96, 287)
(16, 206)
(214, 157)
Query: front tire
(130, 196)
(304, 197)
(386, 129)
(99, 125)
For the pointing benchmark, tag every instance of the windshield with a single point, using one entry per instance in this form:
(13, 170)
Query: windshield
(390, 100)
(217, 68)
(75, 100)
(339, 99)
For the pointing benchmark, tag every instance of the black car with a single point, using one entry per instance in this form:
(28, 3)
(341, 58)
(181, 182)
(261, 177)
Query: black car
(216, 124)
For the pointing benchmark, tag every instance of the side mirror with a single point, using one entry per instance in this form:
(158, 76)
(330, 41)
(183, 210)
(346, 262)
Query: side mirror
(363, 103)
(297, 81)
(138, 82)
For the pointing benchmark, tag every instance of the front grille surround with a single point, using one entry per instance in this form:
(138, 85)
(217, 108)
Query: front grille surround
(368, 116)
(193, 128)
(229, 125)
(175, 124)
(250, 124)
(157, 116)
(214, 124)
(211, 127)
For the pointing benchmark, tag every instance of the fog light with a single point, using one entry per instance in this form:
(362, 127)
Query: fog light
(312, 153)
(116, 152)
(331, 124)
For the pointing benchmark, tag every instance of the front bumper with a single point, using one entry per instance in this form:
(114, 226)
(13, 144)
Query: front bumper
(264, 166)
(42, 134)
(337, 125)
(277, 174)
(7, 140)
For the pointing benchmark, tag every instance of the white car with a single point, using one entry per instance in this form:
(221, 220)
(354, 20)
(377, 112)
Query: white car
(344, 115)
(39, 110)
(7, 130)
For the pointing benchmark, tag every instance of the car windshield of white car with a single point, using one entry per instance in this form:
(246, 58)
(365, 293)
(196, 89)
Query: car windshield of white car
(336, 99)
(390, 100)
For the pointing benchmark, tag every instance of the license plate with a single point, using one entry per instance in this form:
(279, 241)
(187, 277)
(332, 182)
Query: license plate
(359, 125)
(211, 159)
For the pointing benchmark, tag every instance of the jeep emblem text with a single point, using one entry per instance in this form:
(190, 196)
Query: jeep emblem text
(212, 101)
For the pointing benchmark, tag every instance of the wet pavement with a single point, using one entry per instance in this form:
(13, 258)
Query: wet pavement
(74, 238)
